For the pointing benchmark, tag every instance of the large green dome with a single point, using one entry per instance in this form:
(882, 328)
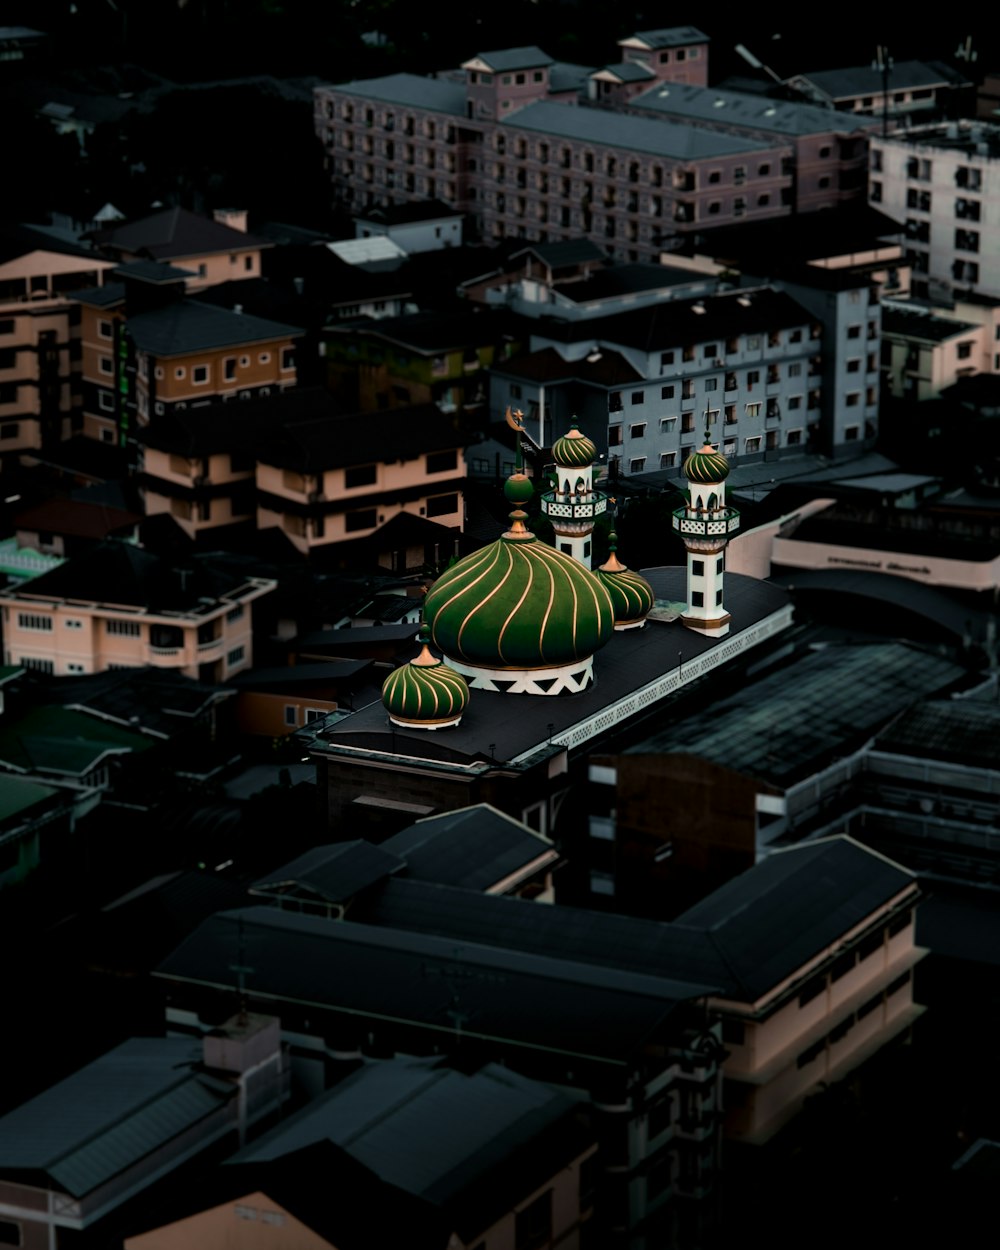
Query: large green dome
(574, 450)
(518, 604)
(425, 693)
(707, 466)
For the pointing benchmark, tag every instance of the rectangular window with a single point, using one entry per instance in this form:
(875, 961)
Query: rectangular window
(442, 505)
(697, 568)
(668, 459)
(199, 375)
(442, 461)
(711, 384)
(105, 365)
(125, 629)
(363, 519)
(614, 435)
(287, 359)
(229, 369)
(34, 620)
(291, 715)
(666, 360)
(666, 392)
(697, 599)
(667, 425)
(235, 656)
(638, 430)
(638, 397)
(104, 329)
(637, 465)
(753, 410)
(752, 445)
(360, 475)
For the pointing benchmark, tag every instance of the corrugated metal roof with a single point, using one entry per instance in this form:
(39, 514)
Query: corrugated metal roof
(111, 1113)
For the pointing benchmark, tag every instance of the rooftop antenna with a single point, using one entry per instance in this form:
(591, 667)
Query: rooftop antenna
(242, 970)
(883, 65)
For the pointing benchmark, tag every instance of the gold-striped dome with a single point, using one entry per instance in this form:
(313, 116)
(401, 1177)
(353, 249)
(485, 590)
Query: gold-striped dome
(425, 693)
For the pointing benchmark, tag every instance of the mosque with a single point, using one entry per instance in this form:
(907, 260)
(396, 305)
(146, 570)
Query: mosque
(588, 650)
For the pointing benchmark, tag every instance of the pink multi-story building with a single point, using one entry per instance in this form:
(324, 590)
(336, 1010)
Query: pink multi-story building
(531, 148)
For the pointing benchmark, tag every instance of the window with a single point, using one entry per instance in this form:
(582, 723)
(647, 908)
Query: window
(967, 240)
(229, 369)
(291, 715)
(854, 331)
(615, 401)
(264, 358)
(752, 445)
(287, 359)
(637, 465)
(614, 435)
(70, 668)
(235, 656)
(794, 438)
(697, 568)
(667, 425)
(719, 565)
(753, 410)
(442, 505)
(964, 351)
(199, 375)
(852, 433)
(853, 399)
(360, 475)
(638, 430)
(711, 384)
(234, 614)
(39, 665)
(666, 392)
(9, 429)
(687, 422)
(668, 459)
(638, 397)
(666, 360)
(533, 1225)
(697, 599)
(105, 364)
(72, 623)
(7, 325)
(125, 629)
(363, 519)
(34, 620)
(442, 461)
(104, 329)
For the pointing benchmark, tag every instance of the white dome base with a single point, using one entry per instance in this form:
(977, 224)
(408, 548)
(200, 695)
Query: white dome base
(565, 679)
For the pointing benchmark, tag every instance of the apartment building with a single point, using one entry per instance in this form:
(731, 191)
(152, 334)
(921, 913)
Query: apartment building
(645, 383)
(39, 382)
(148, 351)
(905, 92)
(212, 250)
(526, 151)
(119, 606)
(942, 182)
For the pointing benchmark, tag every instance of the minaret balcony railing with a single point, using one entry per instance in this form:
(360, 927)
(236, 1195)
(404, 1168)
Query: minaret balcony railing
(553, 506)
(718, 524)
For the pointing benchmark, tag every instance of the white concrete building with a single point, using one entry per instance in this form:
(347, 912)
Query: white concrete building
(943, 183)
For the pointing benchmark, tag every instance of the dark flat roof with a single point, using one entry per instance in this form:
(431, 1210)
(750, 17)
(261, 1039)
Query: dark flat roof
(920, 323)
(793, 718)
(961, 731)
(506, 727)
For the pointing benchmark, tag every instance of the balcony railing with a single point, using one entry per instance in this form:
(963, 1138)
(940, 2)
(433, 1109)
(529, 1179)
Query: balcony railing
(716, 524)
(554, 507)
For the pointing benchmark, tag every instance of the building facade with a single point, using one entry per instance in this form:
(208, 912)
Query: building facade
(942, 182)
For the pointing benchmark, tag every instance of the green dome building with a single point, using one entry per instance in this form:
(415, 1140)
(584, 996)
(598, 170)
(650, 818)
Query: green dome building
(706, 523)
(520, 616)
(631, 595)
(572, 505)
(426, 693)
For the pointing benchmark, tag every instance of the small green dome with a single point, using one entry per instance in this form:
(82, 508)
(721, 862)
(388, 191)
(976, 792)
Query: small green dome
(706, 465)
(574, 450)
(518, 488)
(425, 692)
(632, 596)
(519, 604)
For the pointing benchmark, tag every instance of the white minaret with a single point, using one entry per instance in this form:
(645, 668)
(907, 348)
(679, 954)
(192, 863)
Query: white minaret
(573, 505)
(706, 525)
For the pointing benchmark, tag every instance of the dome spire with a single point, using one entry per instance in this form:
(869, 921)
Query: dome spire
(426, 693)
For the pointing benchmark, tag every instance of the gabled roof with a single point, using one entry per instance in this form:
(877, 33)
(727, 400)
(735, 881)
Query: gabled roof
(160, 701)
(18, 240)
(100, 1121)
(630, 133)
(625, 71)
(173, 234)
(668, 37)
(529, 57)
(868, 80)
(332, 873)
(190, 326)
(436, 94)
(747, 110)
(475, 848)
(746, 938)
(62, 741)
(442, 1135)
(562, 254)
(122, 574)
(521, 998)
(76, 518)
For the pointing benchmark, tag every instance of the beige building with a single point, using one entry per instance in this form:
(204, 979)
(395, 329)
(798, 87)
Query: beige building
(38, 366)
(121, 607)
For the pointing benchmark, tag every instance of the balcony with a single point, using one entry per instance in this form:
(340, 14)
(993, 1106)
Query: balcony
(210, 644)
(554, 506)
(718, 524)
